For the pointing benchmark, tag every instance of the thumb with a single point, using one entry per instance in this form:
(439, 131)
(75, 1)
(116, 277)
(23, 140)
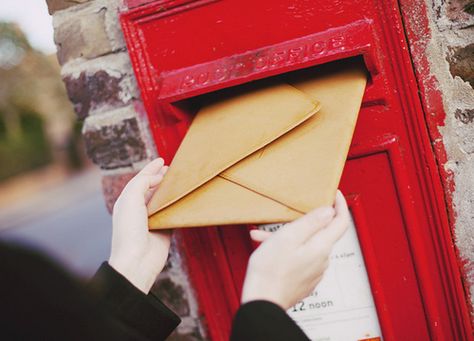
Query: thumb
(301, 229)
(140, 184)
(259, 236)
(150, 176)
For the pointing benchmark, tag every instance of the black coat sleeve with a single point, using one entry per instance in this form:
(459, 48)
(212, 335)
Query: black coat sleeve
(145, 314)
(264, 321)
(40, 301)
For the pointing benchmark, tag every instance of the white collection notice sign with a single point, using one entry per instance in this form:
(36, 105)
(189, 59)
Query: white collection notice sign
(341, 308)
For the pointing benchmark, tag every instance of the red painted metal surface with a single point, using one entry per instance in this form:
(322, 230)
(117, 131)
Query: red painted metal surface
(183, 49)
(419, 35)
(135, 3)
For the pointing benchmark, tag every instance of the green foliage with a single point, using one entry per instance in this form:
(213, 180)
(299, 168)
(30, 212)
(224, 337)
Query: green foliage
(25, 152)
(32, 95)
(73, 147)
(12, 32)
(3, 128)
(469, 7)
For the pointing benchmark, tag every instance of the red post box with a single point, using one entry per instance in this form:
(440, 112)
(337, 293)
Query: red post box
(184, 49)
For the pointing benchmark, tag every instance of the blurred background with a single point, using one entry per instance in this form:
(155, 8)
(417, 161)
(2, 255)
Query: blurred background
(50, 195)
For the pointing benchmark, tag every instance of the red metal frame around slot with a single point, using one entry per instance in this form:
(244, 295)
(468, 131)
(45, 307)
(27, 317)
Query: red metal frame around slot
(182, 49)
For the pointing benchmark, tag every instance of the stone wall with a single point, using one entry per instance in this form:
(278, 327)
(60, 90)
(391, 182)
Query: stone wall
(100, 83)
(453, 52)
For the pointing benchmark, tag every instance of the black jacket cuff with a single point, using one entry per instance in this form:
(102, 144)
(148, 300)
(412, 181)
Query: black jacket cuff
(146, 314)
(263, 321)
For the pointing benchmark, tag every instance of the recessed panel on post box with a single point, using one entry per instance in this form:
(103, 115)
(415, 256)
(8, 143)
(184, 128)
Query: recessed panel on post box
(398, 250)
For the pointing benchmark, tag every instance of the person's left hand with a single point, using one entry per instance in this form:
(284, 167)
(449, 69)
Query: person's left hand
(290, 262)
(138, 254)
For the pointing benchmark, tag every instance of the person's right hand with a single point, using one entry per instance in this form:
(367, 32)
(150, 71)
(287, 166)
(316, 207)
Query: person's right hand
(289, 263)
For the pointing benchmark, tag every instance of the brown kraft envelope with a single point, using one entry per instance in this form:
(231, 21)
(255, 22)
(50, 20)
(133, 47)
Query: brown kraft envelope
(264, 156)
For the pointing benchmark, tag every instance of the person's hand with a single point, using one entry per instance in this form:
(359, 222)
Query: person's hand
(136, 253)
(290, 262)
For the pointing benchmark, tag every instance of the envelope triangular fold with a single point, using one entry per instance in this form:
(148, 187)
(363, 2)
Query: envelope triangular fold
(221, 202)
(227, 131)
(303, 168)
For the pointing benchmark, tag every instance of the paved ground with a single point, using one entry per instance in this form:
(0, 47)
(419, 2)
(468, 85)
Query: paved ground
(67, 220)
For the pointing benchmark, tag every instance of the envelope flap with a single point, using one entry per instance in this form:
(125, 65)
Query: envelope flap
(302, 169)
(221, 202)
(228, 131)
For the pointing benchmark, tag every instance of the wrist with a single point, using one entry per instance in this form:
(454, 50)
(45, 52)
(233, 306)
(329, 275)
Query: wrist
(267, 298)
(140, 277)
(255, 291)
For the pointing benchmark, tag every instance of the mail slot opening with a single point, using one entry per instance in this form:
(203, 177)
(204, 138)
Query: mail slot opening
(186, 109)
(294, 129)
